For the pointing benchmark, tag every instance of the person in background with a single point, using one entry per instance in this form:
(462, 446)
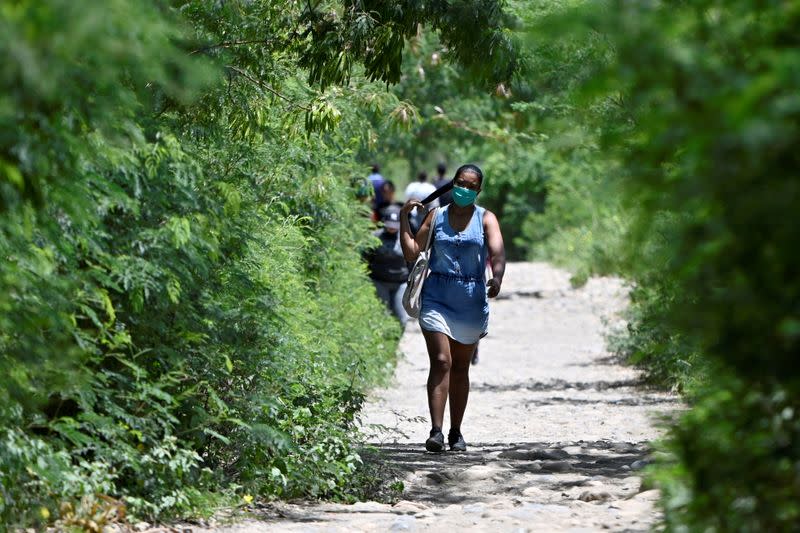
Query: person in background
(362, 189)
(387, 196)
(387, 265)
(377, 184)
(417, 190)
(440, 181)
(364, 193)
(454, 313)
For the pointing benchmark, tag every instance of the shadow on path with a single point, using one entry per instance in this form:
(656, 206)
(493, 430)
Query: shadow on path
(450, 478)
(628, 402)
(558, 385)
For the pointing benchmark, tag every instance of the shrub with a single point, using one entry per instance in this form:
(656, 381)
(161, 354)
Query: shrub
(710, 159)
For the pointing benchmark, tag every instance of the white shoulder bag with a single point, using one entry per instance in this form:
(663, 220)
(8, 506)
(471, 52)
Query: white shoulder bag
(412, 297)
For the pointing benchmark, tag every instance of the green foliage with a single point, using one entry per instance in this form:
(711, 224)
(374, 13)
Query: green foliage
(712, 151)
(582, 224)
(584, 219)
(697, 108)
(451, 119)
(733, 461)
(55, 92)
(539, 162)
(183, 309)
(373, 33)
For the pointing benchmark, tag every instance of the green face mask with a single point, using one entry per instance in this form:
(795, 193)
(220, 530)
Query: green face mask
(463, 196)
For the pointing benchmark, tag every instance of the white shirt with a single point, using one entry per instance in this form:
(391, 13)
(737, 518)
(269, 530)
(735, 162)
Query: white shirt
(419, 190)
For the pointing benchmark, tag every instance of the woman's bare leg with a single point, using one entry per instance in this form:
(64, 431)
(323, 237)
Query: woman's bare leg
(461, 358)
(439, 376)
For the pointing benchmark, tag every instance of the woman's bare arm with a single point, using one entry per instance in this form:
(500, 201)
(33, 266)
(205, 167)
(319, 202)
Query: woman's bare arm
(497, 252)
(410, 244)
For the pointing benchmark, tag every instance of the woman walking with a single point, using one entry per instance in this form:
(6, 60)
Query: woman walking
(455, 309)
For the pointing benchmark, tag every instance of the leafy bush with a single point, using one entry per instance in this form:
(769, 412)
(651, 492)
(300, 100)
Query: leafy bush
(708, 159)
(733, 461)
(582, 225)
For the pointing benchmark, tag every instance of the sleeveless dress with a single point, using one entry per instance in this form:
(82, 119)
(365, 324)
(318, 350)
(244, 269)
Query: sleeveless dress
(454, 300)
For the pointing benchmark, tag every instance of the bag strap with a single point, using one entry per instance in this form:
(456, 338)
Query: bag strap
(432, 229)
(438, 192)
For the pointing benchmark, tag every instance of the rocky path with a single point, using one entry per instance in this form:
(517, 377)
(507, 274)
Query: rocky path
(557, 430)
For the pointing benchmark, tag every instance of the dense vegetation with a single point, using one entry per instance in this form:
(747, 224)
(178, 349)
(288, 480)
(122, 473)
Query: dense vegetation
(697, 111)
(710, 159)
(184, 318)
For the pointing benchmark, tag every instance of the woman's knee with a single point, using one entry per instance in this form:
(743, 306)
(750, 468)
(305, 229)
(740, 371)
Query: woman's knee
(441, 362)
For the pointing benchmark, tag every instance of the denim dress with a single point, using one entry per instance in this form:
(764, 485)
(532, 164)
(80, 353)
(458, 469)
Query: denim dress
(454, 300)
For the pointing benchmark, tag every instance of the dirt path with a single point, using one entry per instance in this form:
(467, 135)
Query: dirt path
(557, 431)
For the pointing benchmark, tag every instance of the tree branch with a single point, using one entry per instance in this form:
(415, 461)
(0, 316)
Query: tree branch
(228, 44)
(266, 87)
(461, 125)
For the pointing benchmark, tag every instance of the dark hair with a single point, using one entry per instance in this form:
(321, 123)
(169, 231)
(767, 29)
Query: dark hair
(441, 168)
(422, 176)
(389, 184)
(376, 167)
(469, 169)
(463, 169)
